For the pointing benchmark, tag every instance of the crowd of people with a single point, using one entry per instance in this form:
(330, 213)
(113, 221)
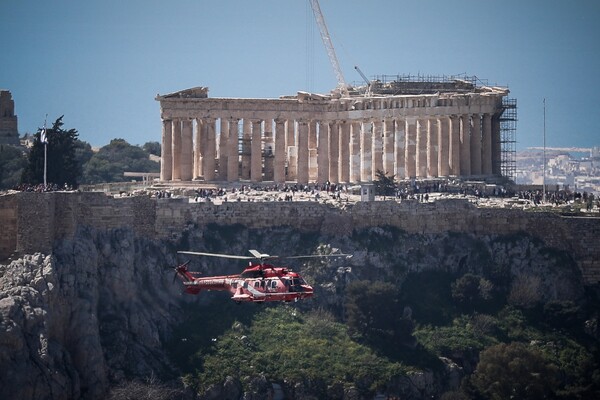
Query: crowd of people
(560, 197)
(40, 188)
(422, 191)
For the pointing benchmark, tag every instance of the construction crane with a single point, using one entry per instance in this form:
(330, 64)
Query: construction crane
(342, 86)
(368, 90)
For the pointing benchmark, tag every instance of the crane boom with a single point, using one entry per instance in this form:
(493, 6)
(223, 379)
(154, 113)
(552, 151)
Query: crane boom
(368, 91)
(329, 46)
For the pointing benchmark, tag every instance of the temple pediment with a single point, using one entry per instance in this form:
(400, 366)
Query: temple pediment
(200, 92)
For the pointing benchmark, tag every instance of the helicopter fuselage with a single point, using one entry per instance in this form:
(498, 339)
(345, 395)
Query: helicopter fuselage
(258, 283)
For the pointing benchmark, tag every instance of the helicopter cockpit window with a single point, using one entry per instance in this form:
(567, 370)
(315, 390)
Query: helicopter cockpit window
(234, 285)
(245, 285)
(273, 284)
(262, 284)
(297, 281)
(256, 284)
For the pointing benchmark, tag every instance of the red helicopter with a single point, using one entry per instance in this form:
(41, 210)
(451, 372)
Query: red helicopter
(258, 283)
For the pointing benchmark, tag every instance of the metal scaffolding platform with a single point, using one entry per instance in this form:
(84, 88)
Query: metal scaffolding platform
(508, 138)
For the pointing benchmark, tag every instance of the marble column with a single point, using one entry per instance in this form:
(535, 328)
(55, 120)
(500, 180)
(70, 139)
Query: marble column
(166, 160)
(199, 145)
(366, 159)
(313, 127)
(323, 152)
(388, 146)
(210, 151)
(465, 145)
(233, 163)
(334, 152)
(344, 151)
(486, 145)
(256, 151)
(246, 148)
(476, 145)
(454, 146)
(496, 146)
(400, 148)
(279, 163)
(223, 149)
(176, 148)
(355, 128)
(269, 147)
(377, 148)
(432, 148)
(444, 146)
(410, 148)
(421, 148)
(302, 160)
(187, 150)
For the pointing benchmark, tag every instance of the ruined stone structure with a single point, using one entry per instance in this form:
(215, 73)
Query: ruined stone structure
(409, 129)
(8, 120)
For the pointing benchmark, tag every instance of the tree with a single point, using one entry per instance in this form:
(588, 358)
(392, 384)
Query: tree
(112, 160)
(12, 163)
(471, 289)
(372, 310)
(83, 152)
(62, 165)
(384, 184)
(152, 148)
(514, 371)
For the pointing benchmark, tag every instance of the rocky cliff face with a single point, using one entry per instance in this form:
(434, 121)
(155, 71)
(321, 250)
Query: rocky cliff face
(98, 310)
(92, 313)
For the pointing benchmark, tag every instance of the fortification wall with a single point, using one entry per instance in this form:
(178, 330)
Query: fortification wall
(34, 221)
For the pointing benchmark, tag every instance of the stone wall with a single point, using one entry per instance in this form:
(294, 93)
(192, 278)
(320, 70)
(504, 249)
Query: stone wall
(34, 221)
(8, 225)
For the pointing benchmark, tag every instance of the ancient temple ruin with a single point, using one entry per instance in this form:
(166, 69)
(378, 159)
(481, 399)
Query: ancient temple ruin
(407, 127)
(8, 120)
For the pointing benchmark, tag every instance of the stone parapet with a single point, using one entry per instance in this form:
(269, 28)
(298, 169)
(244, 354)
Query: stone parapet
(34, 221)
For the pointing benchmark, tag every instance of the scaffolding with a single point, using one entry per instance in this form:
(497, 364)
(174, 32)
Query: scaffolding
(422, 84)
(508, 138)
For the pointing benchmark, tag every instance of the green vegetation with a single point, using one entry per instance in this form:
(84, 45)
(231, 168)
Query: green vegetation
(72, 162)
(152, 148)
(385, 185)
(514, 371)
(109, 163)
(391, 311)
(12, 163)
(63, 168)
(283, 343)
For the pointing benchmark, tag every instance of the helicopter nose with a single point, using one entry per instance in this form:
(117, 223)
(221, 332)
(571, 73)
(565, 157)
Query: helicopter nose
(308, 290)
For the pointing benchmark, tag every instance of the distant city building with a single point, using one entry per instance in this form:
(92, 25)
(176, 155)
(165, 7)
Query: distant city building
(9, 133)
(566, 168)
(407, 127)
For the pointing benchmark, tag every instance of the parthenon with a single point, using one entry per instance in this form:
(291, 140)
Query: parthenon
(408, 129)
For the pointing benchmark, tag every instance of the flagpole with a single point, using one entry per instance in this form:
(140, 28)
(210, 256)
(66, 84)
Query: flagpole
(544, 158)
(45, 140)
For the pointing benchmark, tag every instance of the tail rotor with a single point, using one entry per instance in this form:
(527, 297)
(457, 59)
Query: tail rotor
(180, 270)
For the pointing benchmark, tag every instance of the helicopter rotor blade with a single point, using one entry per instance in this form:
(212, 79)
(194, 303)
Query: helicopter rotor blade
(262, 256)
(319, 256)
(198, 253)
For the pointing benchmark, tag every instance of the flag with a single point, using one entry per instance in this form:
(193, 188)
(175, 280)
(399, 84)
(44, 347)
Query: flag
(43, 137)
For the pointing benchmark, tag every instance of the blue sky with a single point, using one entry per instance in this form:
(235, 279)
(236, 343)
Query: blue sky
(101, 63)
